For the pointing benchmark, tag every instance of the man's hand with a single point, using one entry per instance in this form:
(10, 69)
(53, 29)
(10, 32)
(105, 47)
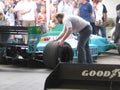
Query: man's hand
(104, 23)
(25, 11)
(61, 43)
(55, 39)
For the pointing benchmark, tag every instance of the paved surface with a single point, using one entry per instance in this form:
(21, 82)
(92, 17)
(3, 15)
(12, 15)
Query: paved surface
(19, 78)
(24, 78)
(109, 57)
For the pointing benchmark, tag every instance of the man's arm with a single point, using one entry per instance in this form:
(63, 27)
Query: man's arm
(104, 15)
(105, 18)
(61, 35)
(65, 36)
(67, 33)
(22, 12)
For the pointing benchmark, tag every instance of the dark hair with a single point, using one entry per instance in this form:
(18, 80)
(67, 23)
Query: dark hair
(59, 15)
(96, 1)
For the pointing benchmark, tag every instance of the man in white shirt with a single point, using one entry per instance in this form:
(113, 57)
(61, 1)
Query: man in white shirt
(27, 9)
(28, 12)
(2, 6)
(3, 20)
(10, 16)
(66, 7)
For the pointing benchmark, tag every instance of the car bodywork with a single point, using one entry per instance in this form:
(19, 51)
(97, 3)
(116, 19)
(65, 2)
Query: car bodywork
(97, 44)
(37, 42)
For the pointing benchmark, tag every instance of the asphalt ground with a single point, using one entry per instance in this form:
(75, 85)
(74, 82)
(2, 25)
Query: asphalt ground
(20, 77)
(109, 57)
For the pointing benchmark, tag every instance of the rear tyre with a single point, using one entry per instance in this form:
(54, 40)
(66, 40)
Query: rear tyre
(53, 54)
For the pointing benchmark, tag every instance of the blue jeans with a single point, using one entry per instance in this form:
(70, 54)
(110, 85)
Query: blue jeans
(102, 29)
(84, 55)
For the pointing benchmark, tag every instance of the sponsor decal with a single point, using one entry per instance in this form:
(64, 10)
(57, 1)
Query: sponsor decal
(100, 73)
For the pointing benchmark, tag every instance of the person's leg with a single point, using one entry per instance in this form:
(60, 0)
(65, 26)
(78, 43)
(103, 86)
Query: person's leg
(82, 41)
(89, 59)
(103, 31)
(25, 23)
(93, 29)
(117, 33)
(81, 50)
(96, 30)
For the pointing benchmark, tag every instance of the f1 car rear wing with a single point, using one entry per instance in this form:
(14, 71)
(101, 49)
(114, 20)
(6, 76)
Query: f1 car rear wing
(13, 29)
(8, 35)
(7, 31)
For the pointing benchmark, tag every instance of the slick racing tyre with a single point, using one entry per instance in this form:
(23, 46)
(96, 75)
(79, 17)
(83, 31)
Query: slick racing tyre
(53, 54)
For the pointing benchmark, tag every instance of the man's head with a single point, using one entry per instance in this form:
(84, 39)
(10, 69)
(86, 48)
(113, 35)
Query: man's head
(60, 17)
(100, 0)
(82, 1)
(67, 1)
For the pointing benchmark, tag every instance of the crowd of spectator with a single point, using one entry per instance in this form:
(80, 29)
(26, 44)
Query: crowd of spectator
(33, 12)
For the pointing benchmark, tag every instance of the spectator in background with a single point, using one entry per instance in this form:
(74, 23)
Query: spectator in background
(117, 28)
(104, 18)
(53, 22)
(39, 4)
(93, 18)
(41, 18)
(65, 7)
(9, 14)
(2, 6)
(53, 8)
(44, 2)
(17, 15)
(100, 17)
(17, 9)
(3, 20)
(29, 14)
(85, 10)
(118, 13)
(76, 10)
(16, 1)
(27, 10)
(3, 37)
(58, 1)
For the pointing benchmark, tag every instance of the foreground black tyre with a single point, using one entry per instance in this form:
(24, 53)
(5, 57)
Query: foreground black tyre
(53, 54)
